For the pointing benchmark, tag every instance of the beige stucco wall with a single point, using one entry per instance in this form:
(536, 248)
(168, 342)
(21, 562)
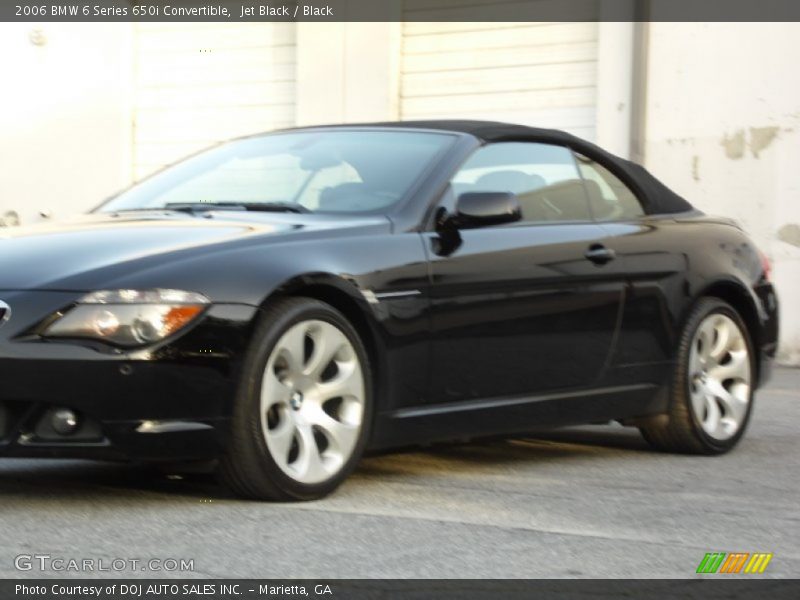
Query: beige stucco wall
(64, 116)
(723, 129)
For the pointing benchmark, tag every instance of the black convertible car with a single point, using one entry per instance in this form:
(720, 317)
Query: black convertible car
(284, 302)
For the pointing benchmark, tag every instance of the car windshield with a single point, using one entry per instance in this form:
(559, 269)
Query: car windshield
(343, 171)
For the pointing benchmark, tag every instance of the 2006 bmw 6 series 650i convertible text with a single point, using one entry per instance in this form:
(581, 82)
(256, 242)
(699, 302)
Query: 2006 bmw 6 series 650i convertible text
(284, 302)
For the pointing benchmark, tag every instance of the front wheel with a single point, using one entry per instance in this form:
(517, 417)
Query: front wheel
(711, 392)
(304, 405)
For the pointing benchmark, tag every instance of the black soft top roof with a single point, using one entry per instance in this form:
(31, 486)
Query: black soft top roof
(657, 197)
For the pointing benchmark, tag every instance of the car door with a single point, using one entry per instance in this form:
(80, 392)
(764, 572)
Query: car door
(654, 267)
(523, 308)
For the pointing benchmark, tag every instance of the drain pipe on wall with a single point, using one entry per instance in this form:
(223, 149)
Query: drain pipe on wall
(621, 78)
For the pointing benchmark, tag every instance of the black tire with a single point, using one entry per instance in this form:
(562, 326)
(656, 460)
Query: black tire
(680, 431)
(247, 466)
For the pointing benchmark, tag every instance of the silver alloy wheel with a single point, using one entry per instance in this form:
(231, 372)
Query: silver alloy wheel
(719, 376)
(312, 401)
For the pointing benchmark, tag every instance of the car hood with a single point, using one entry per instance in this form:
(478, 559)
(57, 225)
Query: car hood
(56, 256)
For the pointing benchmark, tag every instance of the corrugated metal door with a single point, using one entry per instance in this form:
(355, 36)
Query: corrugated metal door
(541, 74)
(197, 84)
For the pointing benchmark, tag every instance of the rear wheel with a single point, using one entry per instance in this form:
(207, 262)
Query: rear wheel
(304, 406)
(711, 392)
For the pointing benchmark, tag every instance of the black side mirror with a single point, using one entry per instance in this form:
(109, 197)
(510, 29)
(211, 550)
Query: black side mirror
(479, 209)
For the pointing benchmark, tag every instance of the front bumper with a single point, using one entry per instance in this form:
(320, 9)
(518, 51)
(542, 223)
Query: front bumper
(170, 402)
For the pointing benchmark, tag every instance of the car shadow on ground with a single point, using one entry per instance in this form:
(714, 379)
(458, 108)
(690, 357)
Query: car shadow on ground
(601, 436)
(61, 480)
(545, 447)
(68, 480)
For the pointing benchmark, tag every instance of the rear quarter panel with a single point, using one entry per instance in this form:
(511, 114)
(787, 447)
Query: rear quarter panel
(670, 263)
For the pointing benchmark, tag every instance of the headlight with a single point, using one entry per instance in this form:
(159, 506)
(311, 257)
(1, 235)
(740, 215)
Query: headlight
(129, 317)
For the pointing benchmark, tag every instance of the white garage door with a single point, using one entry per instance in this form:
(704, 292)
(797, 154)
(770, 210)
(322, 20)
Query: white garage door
(540, 74)
(197, 84)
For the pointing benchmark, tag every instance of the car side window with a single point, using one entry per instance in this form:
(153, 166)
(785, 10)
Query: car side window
(544, 178)
(609, 198)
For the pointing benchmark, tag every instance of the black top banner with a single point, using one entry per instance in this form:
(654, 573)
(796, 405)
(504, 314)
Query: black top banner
(398, 10)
